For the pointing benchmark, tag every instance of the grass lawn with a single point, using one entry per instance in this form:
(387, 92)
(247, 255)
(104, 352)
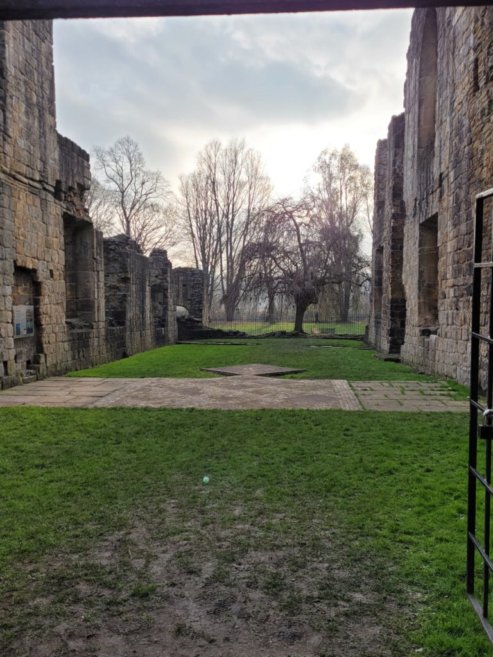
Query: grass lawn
(322, 359)
(261, 328)
(321, 533)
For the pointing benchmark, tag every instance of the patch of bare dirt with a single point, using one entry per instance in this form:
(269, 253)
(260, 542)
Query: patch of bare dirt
(184, 589)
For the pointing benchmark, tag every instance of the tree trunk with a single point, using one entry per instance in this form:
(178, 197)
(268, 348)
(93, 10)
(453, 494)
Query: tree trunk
(207, 302)
(305, 296)
(229, 308)
(206, 313)
(300, 314)
(271, 309)
(344, 302)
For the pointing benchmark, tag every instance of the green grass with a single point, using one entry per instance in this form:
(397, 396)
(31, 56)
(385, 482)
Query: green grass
(261, 328)
(346, 359)
(389, 490)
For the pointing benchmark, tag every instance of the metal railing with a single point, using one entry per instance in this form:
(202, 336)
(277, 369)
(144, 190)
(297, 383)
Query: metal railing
(481, 402)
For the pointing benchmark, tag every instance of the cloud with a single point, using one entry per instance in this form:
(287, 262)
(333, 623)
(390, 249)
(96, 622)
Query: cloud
(193, 73)
(174, 84)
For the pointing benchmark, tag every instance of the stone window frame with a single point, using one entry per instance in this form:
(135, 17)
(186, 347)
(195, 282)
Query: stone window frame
(84, 314)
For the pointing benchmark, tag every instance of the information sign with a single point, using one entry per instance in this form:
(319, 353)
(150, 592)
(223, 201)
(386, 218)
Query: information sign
(23, 321)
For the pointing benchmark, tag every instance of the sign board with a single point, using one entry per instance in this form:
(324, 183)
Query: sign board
(23, 321)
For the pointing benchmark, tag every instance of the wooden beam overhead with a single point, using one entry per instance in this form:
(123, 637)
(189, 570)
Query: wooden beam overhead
(50, 9)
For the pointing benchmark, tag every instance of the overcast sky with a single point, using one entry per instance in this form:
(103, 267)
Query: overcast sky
(291, 85)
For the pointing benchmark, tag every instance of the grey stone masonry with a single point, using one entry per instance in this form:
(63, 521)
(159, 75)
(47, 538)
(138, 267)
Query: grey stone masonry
(162, 299)
(68, 299)
(188, 285)
(447, 160)
(127, 292)
(388, 309)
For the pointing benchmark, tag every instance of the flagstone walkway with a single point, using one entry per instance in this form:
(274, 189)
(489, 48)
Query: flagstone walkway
(244, 391)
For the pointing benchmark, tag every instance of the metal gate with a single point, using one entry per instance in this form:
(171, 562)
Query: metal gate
(480, 487)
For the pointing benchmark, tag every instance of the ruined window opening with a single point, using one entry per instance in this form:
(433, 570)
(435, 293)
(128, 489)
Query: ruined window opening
(427, 96)
(79, 272)
(378, 284)
(428, 273)
(26, 298)
(23, 299)
(398, 309)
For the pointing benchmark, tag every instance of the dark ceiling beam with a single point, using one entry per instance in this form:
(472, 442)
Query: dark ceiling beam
(38, 9)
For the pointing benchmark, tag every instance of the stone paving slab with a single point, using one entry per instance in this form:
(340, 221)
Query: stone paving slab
(407, 396)
(255, 369)
(237, 393)
(234, 393)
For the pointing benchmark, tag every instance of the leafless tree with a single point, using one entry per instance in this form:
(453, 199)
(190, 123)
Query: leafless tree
(224, 204)
(341, 197)
(293, 248)
(140, 199)
(99, 203)
(304, 254)
(156, 227)
(202, 228)
(262, 270)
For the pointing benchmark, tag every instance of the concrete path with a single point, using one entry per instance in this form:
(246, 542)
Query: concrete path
(233, 393)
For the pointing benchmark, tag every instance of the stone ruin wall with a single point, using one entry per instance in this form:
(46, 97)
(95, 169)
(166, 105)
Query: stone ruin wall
(32, 259)
(388, 310)
(139, 302)
(60, 281)
(447, 160)
(188, 286)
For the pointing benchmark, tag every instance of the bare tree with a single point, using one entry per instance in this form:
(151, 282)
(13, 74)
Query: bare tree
(99, 202)
(341, 196)
(262, 271)
(202, 228)
(304, 255)
(292, 246)
(224, 204)
(156, 227)
(241, 196)
(140, 199)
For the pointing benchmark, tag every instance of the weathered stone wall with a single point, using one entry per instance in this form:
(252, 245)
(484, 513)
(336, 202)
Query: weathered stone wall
(448, 159)
(128, 293)
(55, 313)
(380, 182)
(188, 286)
(30, 236)
(388, 309)
(162, 298)
(74, 176)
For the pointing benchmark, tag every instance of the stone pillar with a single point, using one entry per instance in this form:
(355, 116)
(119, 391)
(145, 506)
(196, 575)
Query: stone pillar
(163, 305)
(188, 284)
(388, 318)
(128, 296)
(380, 182)
(7, 350)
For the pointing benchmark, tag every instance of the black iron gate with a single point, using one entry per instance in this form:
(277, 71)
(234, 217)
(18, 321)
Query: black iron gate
(480, 491)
